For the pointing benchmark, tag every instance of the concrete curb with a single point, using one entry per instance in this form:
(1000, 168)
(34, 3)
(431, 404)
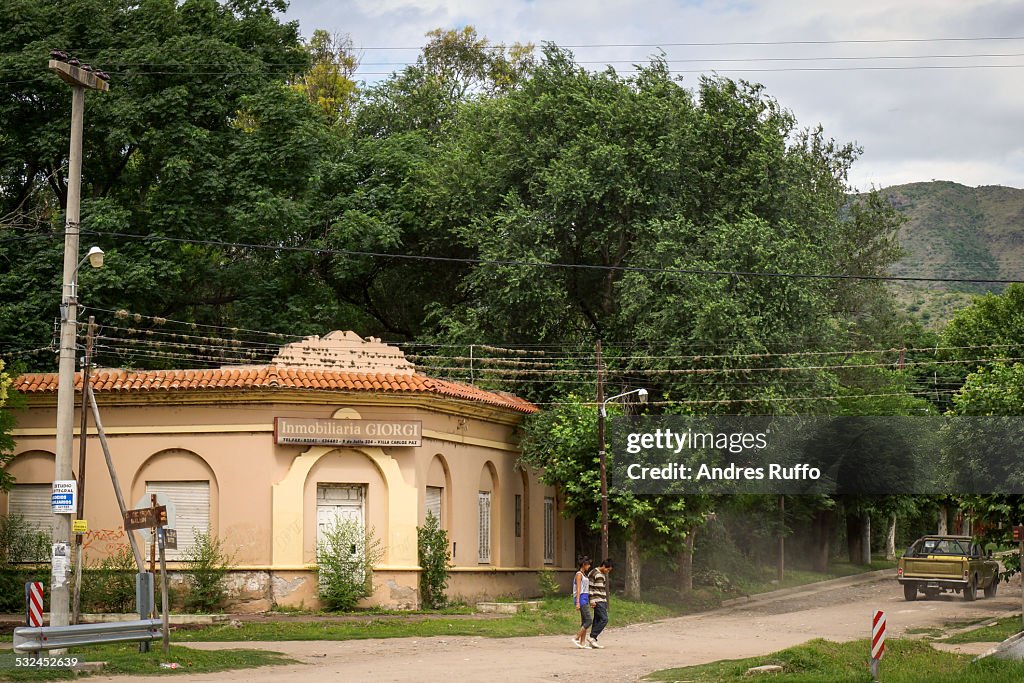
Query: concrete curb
(1011, 648)
(812, 588)
(173, 619)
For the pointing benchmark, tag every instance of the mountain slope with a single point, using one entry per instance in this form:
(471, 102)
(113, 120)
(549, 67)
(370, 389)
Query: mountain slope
(955, 231)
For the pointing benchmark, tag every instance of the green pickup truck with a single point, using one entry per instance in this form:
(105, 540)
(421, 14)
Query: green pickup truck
(935, 564)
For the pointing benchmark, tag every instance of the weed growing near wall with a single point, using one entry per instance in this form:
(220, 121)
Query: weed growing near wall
(207, 564)
(345, 559)
(435, 561)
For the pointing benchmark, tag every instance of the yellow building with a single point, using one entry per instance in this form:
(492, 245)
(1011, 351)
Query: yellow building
(266, 457)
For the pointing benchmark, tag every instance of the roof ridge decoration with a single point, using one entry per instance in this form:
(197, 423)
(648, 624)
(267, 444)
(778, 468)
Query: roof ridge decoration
(344, 352)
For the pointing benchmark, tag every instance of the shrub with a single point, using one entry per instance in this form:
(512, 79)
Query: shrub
(22, 542)
(435, 561)
(548, 583)
(207, 564)
(345, 559)
(110, 587)
(12, 586)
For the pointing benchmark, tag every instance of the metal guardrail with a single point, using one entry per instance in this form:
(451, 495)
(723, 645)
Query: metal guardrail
(37, 638)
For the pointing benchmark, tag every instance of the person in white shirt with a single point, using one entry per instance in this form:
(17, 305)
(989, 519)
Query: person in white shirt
(581, 596)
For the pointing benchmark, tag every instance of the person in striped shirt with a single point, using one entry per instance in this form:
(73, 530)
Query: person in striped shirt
(599, 600)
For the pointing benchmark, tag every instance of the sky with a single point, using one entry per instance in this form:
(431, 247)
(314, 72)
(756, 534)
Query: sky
(930, 89)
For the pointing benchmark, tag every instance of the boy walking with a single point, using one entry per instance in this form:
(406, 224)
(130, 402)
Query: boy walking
(599, 600)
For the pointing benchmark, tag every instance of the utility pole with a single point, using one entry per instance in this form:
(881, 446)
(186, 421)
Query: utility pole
(82, 444)
(79, 79)
(601, 452)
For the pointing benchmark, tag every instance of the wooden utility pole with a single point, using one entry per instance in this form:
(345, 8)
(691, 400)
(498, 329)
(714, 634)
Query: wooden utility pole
(601, 451)
(82, 443)
(781, 575)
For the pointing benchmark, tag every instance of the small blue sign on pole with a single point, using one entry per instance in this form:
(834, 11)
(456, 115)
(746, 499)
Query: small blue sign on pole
(63, 496)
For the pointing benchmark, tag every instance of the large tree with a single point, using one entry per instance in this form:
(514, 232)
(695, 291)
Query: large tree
(198, 141)
(659, 217)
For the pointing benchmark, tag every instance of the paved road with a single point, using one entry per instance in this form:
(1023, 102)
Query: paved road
(835, 611)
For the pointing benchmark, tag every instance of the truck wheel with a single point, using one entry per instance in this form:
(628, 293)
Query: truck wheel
(971, 591)
(910, 592)
(990, 591)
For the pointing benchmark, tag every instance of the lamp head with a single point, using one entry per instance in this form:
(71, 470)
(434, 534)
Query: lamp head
(95, 257)
(642, 395)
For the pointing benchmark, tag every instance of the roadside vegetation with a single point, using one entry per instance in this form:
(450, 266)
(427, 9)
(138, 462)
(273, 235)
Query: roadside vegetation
(125, 659)
(555, 615)
(821, 661)
(991, 631)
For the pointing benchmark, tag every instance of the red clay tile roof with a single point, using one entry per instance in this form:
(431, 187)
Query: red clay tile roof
(270, 377)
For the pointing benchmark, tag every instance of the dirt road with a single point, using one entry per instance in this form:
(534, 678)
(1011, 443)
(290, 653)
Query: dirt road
(759, 626)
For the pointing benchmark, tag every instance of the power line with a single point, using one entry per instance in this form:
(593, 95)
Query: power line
(542, 264)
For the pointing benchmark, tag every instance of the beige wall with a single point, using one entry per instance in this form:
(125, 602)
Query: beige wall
(263, 496)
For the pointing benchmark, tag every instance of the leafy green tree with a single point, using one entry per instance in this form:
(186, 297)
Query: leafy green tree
(329, 82)
(992, 328)
(562, 442)
(648, 192)
(199, 139)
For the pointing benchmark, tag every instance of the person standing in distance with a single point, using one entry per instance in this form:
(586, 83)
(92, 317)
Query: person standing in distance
(599, 600)
(581, 596)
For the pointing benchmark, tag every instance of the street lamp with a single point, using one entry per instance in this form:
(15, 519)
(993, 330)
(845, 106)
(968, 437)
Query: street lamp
(80, 79)
(602, 413)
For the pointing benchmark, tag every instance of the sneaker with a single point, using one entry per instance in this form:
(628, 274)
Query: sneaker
(593, 643)
(577, 643)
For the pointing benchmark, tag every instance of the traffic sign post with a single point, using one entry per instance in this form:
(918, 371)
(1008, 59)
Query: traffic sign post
(877, 642)
(145, 518)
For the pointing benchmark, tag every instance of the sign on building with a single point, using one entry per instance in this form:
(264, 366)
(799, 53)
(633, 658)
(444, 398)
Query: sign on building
(316, 432)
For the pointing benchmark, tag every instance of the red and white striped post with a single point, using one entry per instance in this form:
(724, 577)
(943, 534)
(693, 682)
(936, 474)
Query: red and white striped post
(34, 603)
(877, 641)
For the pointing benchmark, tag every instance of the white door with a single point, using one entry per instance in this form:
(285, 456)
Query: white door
(337, 502)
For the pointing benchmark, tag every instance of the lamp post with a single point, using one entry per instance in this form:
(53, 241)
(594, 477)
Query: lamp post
(79, 79)
(602, 413)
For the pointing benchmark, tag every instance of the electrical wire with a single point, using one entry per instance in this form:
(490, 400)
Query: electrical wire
(542, 264)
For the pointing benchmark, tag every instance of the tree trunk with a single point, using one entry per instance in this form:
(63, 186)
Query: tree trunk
(685, 572)
(854, 537)
(890, 539)
(943, 528)
(865, 543)
(632, 578)
(822, 540)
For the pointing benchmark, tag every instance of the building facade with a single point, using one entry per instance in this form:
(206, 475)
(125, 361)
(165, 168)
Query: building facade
(266, 458)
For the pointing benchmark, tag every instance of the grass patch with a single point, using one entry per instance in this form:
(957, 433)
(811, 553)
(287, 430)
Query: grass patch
(1000, 631)
(126, 659)
(821, 661)
(799, 577)
(556, 615)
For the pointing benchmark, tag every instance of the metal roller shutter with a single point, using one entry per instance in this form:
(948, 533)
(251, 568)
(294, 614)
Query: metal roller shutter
(192, 510)
(434, 503)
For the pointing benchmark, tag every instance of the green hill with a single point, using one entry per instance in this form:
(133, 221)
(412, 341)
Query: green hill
(955, 231)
